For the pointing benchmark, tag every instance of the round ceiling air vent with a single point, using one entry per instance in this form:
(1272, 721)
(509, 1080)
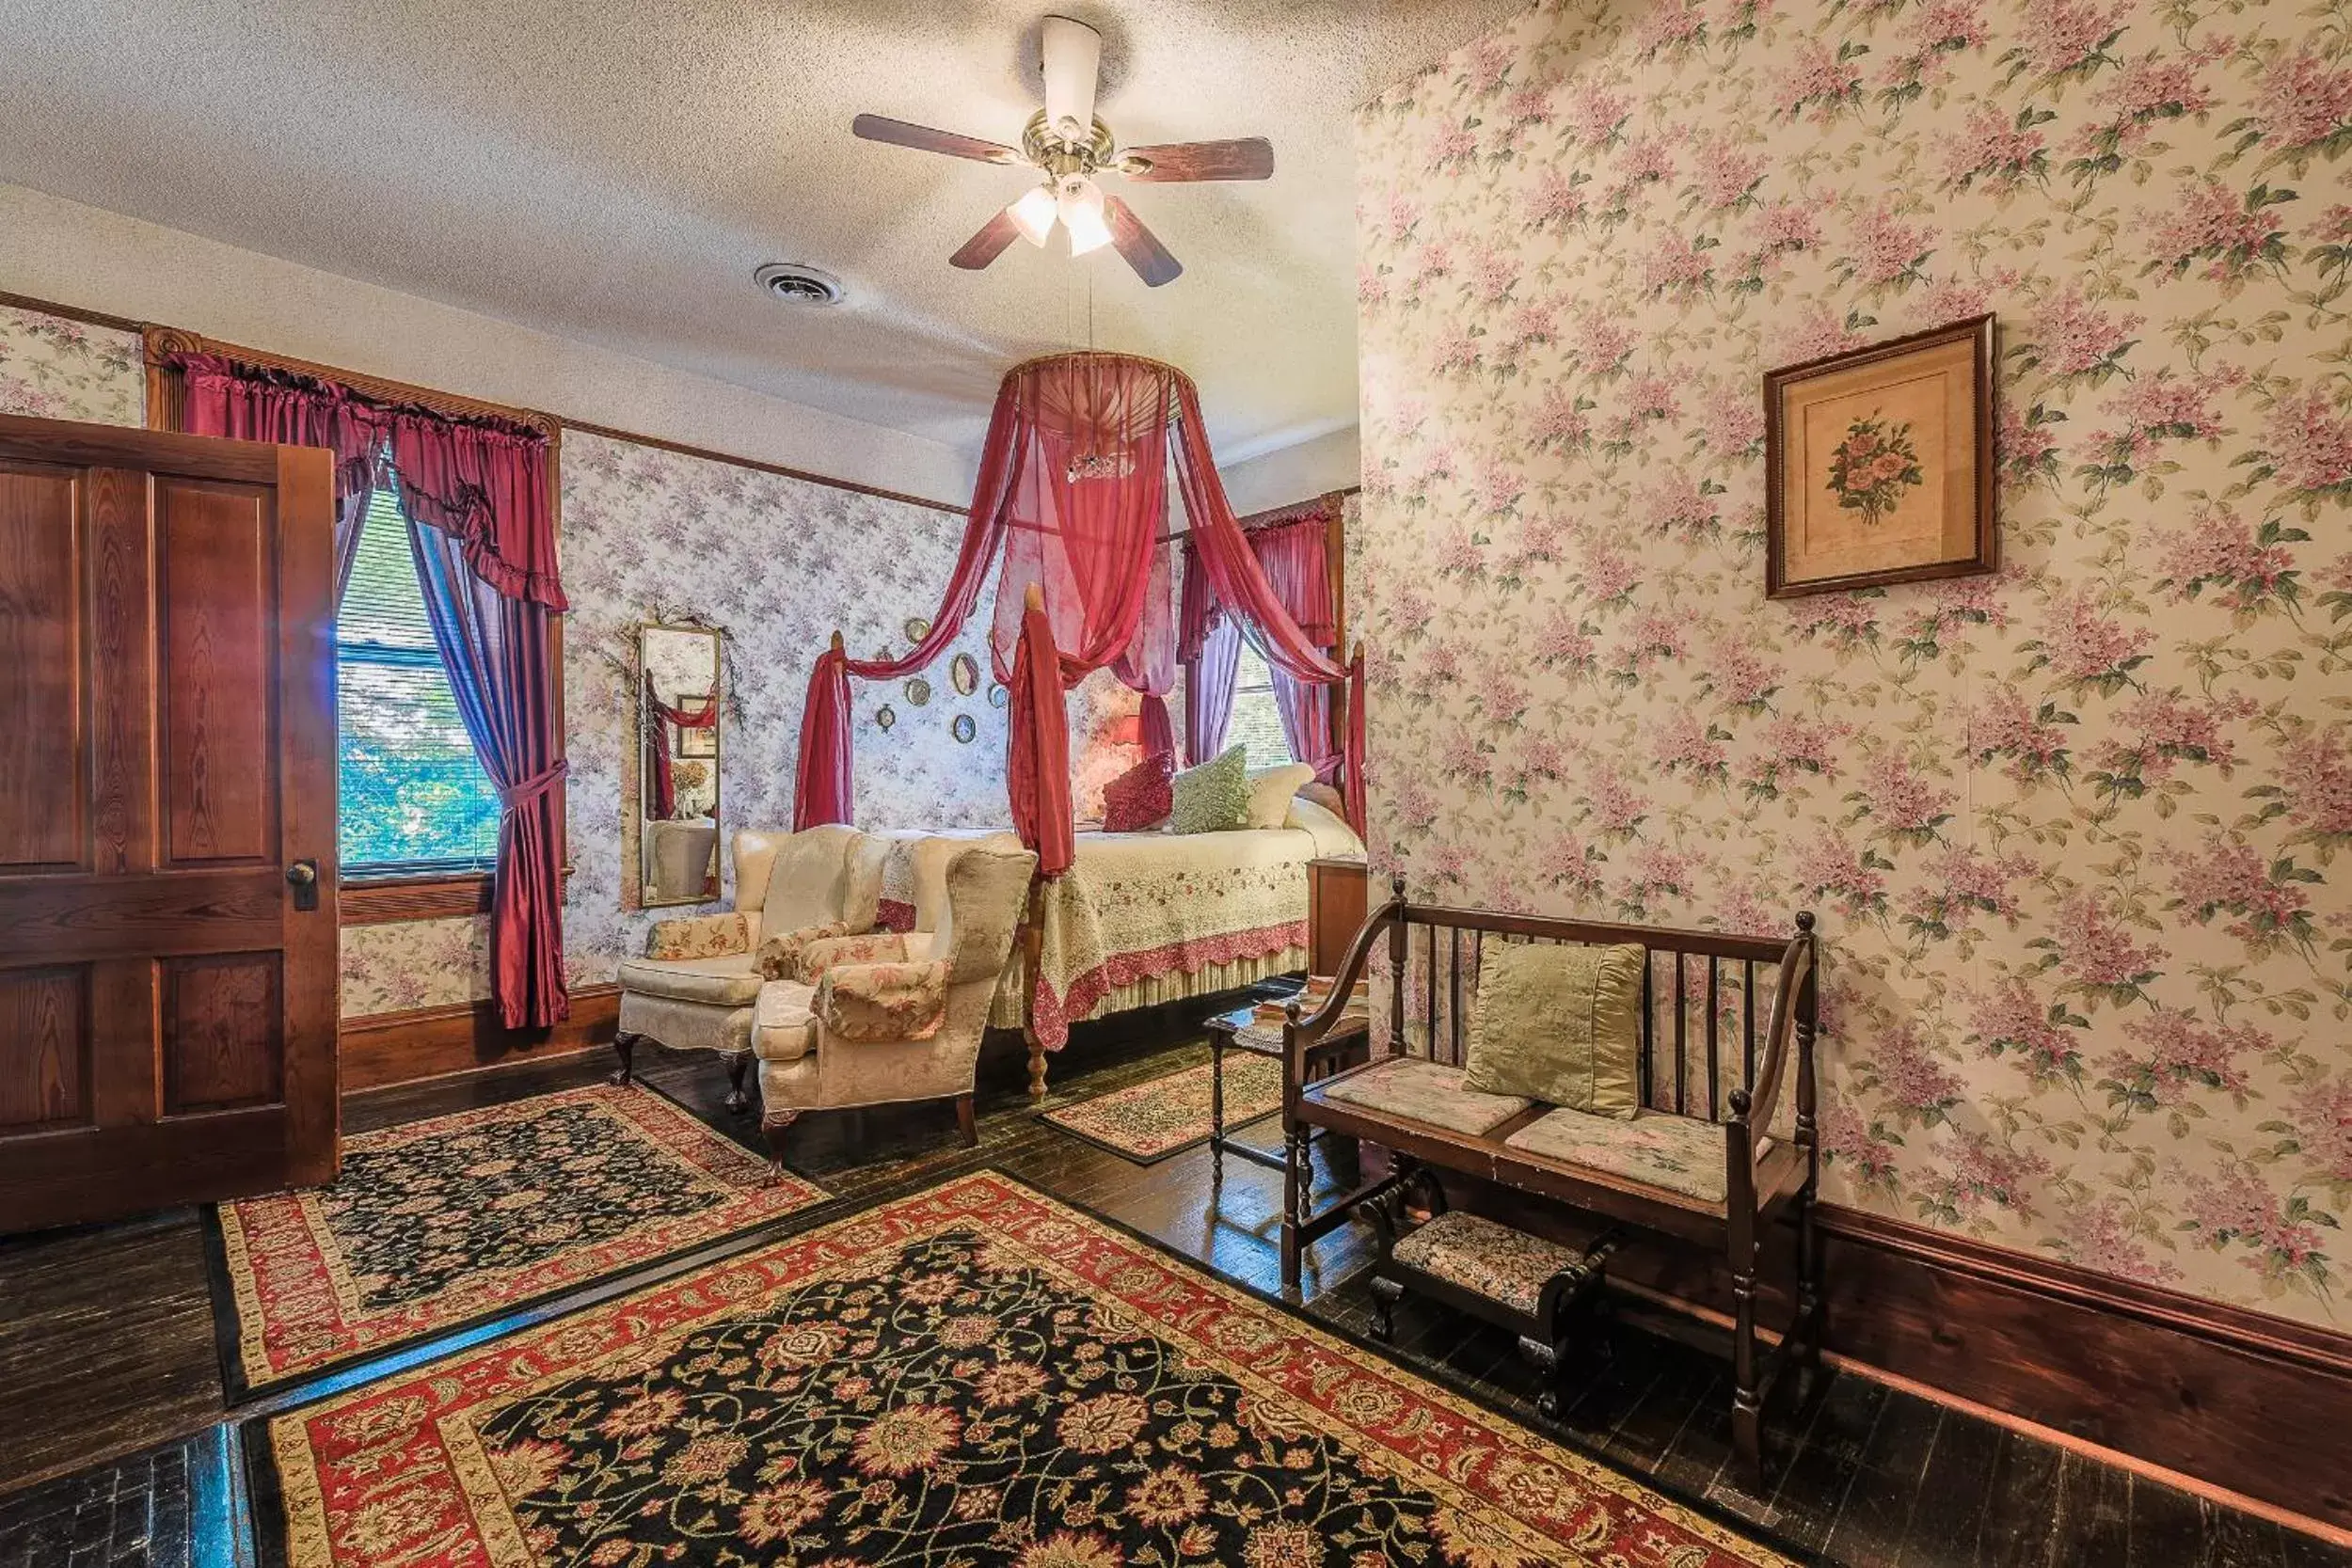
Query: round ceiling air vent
(798, 285)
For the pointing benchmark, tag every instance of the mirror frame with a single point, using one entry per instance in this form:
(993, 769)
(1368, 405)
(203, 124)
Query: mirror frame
(638, 891)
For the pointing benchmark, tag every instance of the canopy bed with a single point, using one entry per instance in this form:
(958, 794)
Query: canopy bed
(1071, 511)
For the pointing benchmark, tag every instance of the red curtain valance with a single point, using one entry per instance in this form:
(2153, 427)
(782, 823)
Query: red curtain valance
(481, 480)
(1072, 496)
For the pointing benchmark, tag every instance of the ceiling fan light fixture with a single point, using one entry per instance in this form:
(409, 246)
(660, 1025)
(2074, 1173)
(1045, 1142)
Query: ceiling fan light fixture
(1081, 208)
(1034, 215)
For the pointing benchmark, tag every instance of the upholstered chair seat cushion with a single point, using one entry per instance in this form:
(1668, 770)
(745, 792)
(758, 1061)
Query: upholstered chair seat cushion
(883, 1001)
(784, 1023)
(780, 955)
(1213, 798)
(1486, 1259)
(1419, 1089)
(686, 1025)
(699, 937)
(1560, 1025)
(1681, 1154)
(877, 947)
(729, 980)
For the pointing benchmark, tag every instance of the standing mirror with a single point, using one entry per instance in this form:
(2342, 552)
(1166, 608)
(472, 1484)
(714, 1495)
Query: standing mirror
(678, 750)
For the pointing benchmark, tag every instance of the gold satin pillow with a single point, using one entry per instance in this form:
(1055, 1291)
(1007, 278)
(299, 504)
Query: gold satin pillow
(1560, 1025)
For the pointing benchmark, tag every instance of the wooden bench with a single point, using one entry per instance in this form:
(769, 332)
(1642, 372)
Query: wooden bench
(1709, 1161)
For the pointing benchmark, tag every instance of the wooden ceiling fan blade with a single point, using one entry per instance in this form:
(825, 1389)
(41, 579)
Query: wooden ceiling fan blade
(1139, 245)
(1247, 158)
(988, 243)
(899, 133)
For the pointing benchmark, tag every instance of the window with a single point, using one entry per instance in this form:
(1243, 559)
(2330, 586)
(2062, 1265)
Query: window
(1256, 722)
(414, 798)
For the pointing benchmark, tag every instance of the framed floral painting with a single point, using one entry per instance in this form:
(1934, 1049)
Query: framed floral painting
(1879, 464)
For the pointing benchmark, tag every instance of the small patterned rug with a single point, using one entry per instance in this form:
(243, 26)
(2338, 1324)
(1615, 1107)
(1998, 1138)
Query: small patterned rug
(972, 1375)
(437, 1223)
(1149, 1121)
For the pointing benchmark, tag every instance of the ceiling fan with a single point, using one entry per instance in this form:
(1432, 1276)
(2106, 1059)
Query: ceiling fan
(1071, 147)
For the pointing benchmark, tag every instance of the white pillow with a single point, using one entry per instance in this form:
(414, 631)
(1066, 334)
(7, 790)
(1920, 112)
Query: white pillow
(1270, 792)
(1334, 839)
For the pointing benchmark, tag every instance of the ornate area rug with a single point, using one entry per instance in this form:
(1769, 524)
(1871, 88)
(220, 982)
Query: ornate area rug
(975, 1375)
(437, 1223)
(1150, 1121)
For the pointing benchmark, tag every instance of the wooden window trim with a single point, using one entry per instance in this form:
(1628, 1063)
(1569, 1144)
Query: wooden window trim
(389, 900)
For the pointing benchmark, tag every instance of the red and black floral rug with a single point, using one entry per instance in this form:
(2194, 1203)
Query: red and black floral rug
(974, 1375)
(437, 1223)
(1147, 1123)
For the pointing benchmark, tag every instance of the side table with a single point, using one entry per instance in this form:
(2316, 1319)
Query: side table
(1346, 1045)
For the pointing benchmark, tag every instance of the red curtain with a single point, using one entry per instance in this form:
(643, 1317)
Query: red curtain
(482, 533)
(1296, 557)
(660, 719)
(1037, 753)
(247, 402)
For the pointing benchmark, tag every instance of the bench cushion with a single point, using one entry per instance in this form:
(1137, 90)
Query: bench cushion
(728, 981)
(1485, 1259)
(1680, 1154)
(1419, 1089)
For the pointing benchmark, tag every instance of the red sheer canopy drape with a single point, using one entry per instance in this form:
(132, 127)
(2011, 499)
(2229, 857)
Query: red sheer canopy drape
(1072, 495)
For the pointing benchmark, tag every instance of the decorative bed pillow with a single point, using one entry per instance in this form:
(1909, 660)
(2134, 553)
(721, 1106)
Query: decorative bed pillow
(1270, 792)
(709, 936)
(1560, 1025)
(1211, 799)
(1334, 838)
(1324, 796)
(780, 956)
(1140, 798)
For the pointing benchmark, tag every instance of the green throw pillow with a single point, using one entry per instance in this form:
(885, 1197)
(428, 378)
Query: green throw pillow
(1560, 1025)
(1212, 796)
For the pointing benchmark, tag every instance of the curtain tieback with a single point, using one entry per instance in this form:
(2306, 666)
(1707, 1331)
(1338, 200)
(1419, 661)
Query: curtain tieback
(533, 787)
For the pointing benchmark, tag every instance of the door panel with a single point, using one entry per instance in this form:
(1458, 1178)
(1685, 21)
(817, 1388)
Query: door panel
(41, 665)
(224, 1036)
(166, 1015)
(215, 564)
(46, 1083)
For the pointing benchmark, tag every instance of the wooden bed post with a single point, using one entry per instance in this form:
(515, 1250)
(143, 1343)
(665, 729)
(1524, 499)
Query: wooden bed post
(1032, 957)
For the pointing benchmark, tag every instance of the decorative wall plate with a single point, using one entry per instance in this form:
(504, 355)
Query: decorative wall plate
(1000, 696)
(918, 691)
(964, 729)
(886, 716)
(917, 628)
(963, 673)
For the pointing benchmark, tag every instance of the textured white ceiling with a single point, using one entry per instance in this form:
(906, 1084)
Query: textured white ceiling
(613, 172)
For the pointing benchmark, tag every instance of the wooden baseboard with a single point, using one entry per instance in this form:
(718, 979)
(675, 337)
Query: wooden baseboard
(381, 1048)
(2241, 1402)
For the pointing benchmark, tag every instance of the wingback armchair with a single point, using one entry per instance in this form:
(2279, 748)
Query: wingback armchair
(890, 1018)
(697, 986)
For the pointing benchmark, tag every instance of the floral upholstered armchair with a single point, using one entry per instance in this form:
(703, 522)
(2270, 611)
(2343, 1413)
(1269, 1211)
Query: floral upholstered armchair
(697, 985)
(883, 1019)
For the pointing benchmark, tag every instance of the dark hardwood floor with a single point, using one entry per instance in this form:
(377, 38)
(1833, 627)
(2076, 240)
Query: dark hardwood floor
(114, 1448)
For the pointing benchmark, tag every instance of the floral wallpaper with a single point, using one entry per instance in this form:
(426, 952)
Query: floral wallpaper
(779, 562)
(2079, 832)
(57, 369)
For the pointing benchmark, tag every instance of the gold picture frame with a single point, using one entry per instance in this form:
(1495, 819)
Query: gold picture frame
(1879, 464)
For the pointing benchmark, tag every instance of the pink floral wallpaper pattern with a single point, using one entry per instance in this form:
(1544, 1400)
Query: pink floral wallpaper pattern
(54, 368)
(2078, 833)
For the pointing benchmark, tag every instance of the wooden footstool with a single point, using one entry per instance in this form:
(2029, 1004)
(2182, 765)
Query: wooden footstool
(1538, 1289)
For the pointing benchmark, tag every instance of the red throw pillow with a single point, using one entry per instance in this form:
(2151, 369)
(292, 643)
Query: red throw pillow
(1139, 798)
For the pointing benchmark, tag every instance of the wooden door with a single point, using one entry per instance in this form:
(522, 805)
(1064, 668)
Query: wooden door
(166, 764)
